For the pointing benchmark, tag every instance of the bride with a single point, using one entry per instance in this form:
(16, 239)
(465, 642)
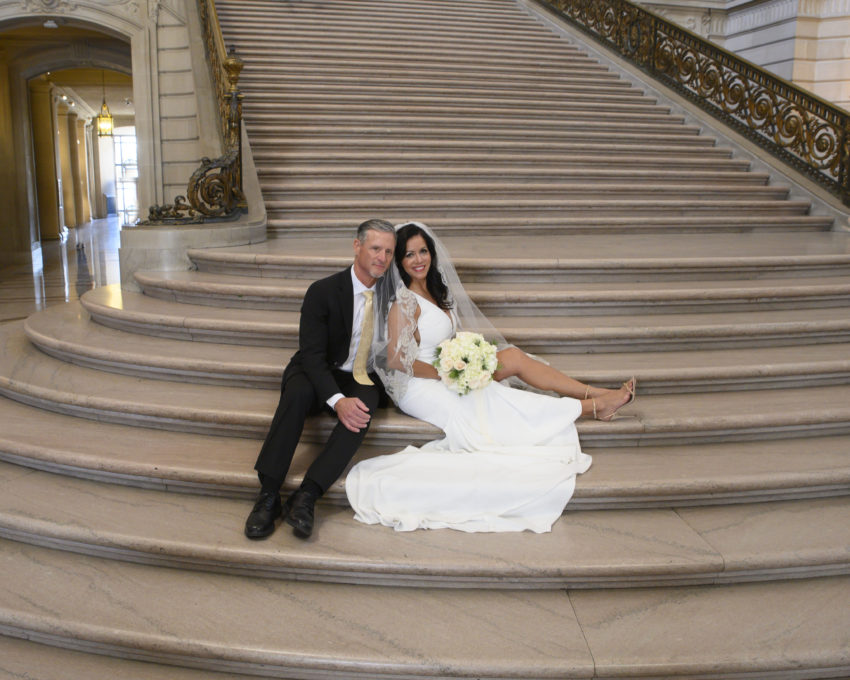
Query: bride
(510, 456)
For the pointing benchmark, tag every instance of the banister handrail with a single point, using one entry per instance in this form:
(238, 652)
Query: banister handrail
(805, 131)
(214, 190)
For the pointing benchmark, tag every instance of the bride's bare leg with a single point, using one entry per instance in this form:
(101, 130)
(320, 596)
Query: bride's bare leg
(542, 376)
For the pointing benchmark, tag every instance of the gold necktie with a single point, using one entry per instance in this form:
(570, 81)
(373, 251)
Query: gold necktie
(365, 345)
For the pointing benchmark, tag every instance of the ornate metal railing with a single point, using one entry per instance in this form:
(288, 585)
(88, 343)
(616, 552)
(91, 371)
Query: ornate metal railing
(215, 188)
(808, 133)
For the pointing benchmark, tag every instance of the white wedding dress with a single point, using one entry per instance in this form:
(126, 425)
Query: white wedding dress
(508, 462)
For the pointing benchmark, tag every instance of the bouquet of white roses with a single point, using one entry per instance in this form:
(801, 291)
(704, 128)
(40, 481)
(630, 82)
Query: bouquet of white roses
(466, 362)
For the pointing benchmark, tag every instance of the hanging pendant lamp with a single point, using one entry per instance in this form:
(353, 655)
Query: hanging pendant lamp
(104, 120)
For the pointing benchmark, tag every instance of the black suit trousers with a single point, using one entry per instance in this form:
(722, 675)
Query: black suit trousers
(298, 400)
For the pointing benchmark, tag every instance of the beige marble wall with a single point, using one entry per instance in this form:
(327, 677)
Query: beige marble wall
(804, 41)
(822, 54)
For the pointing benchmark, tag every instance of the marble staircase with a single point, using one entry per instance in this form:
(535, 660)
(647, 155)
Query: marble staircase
(711, 536)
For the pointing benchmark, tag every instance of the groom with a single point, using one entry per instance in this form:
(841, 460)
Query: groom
(327, 372)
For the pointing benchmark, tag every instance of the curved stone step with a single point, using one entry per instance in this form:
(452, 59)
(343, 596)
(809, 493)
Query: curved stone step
(100, 601)
(594, 549)
(526, 299)
(565, 258)
(30, 377)
(637, 477)
(64, 332)
(564, 334)
(22, 658)
(378, 630)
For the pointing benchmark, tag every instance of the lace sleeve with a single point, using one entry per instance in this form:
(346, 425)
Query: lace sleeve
(397, 348)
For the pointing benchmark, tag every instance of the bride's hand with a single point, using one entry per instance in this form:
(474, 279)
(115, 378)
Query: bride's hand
(352, 413)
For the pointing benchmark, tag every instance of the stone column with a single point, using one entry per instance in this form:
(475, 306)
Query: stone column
(11, 220)
(46, 175)
(74, 164)
(96, 199)
(66, 178)
(83, 165)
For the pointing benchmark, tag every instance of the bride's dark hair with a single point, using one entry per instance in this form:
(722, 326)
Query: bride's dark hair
(434, 280)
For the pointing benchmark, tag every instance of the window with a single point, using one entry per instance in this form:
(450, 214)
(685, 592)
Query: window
(126, 175)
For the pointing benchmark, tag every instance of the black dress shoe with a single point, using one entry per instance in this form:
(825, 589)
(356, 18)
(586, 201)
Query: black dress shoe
(300, 516)
(260, 522)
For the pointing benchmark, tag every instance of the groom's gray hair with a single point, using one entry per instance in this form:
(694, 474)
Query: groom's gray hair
(373, 225)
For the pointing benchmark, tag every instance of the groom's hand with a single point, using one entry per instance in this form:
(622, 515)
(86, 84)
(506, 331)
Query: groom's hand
(352, 413)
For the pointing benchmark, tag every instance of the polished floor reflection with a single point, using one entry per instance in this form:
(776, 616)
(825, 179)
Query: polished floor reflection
(85, 259)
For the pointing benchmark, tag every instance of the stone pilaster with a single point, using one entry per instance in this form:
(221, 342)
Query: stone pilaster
(44, 126)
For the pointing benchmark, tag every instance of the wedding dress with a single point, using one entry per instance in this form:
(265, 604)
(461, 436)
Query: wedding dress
(508, 461)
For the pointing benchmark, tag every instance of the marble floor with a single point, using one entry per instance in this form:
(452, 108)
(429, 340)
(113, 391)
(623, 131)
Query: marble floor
(87, 257)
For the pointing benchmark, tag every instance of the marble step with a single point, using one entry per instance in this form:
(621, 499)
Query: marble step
(137, 313)
(281, 224)
(351, 11)
(175, 616)
(257, 113)
(592, 549)
(29, 376)
(22, 658)
(365, 26)
(458, 54)
(606, 178)
(268, 29)
(428, 209)
(620, 477)
(65, 332)
(445, 190)
(428, 66)
(471, 140)
(270, 78)
(526, 299)
(386, 100)
(265, 84)
(422, 161)
(577, 143)
(439, 35)
(563, 258)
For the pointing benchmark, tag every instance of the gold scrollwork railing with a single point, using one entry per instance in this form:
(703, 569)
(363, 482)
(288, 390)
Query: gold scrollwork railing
(808, 133)
(215, 188)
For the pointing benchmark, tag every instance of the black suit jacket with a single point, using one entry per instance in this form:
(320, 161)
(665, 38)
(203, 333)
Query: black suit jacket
(324, 334)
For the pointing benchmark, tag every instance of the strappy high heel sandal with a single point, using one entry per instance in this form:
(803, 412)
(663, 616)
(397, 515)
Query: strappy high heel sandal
(632, 390)
(632, 395)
